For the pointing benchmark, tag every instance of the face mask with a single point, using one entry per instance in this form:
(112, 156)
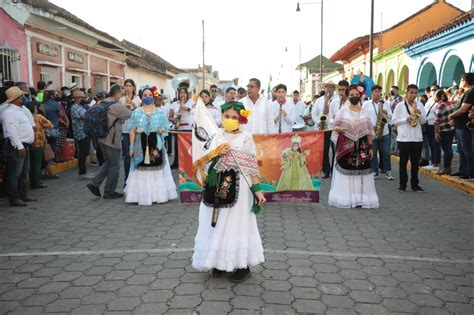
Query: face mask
(230, 125)
(354, 100)
(148, 100)
(26, 100)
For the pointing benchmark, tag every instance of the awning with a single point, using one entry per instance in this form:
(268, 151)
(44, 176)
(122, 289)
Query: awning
(48, 63)
(76, 69)
(116, 77)
(100, 73)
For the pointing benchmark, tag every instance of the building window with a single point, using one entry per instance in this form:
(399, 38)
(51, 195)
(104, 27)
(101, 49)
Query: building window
(73, 78)
(49, 74)
(9, 65)
(99, 84)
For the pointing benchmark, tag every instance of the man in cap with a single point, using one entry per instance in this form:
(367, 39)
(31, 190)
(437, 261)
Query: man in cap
(78, 112)
(18, 134)
(235, 84)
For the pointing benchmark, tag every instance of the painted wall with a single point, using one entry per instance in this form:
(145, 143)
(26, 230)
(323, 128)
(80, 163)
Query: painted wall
(142, 77)
(394, 69)
(12, 33)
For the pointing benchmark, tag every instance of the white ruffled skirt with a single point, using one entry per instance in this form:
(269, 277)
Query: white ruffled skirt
(351, 191)
(234, 242)
(146, 187)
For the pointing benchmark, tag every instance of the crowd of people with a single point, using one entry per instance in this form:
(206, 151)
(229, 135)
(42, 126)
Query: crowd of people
(135, 129)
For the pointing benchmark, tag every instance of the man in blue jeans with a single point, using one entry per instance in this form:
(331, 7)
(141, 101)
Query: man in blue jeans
(377, 106)
(463, 134)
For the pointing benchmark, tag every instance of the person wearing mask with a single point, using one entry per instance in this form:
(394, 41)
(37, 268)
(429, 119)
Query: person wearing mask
(78, 112)
(51, 109)
(283, 111)
(18, 134)
(408, 117)
(461, 120)
(150, 177)
(352, 184)
(373, 107)
(111, 147)
(444, 131)
(320, 115)
(131, 101)
(261, 120)
(298, 109)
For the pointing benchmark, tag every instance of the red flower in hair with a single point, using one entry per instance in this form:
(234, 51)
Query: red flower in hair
(243, 120)
(155, 91)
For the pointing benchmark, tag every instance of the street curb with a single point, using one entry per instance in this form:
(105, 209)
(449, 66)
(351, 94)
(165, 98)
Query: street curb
(64, 166)
(452, 181)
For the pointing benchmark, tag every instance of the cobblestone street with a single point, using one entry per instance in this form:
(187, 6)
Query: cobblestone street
(73, 253)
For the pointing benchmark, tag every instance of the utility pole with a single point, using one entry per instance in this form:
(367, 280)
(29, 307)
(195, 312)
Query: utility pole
(371, 43)
(203, 64)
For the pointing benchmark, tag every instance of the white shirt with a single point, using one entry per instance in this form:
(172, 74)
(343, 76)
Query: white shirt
(235, 86)
(287, 121)
(298, 110)
(261, 116)
(17, 126)
(29, 115)
(187, 118)
(136, 102)
(373, 109)
(430, 108)
(335, 106)
(318, 109)
(406, 133)
(2, 108)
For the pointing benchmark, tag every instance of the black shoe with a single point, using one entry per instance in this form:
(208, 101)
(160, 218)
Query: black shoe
(218, 273)
(114, 195)
(325, 175)
(402, 189)
(95, 190)
(457, 174)
(417, 189)
(465, 177)
(424, 163)
(240, 275)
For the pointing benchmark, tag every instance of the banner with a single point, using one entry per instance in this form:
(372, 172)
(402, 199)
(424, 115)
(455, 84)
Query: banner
(289, 166)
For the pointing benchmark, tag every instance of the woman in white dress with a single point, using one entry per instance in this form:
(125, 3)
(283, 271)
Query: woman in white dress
(150, 179)
(233, 244)
(352, 183)
(216, 113)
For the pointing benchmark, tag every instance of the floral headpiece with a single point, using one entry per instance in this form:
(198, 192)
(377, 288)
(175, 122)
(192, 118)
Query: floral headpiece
(239, 108)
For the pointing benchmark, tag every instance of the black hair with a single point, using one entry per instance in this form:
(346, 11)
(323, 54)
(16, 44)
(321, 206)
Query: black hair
(230, 89)
(412, 86)
(468, 77)
(376, 87)
(427, 89)
(132, 83)
(41, 85)
(64, 88)
(281, 86)
(424, 96)
(435, 85)
(343, 83)
(185, 90)
(441, 94)
(213, 86)
(33, 91)
(256, 81)
(395, 87)
(296, 92)
(8, 84)
(140, 94)
(114, 89)
(322, 93)
(205, 92)
(49, 94)
(241, 91)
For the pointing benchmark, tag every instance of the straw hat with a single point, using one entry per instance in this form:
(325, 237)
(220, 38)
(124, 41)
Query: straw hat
(329, 84)
(13, 93)
(78, 93)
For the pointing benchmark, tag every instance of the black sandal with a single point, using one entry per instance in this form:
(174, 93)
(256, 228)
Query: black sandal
(240, 275)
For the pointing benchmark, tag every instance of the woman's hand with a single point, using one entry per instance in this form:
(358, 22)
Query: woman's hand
(371, 154)
(340, 129)
(225, 150)
(260, 198)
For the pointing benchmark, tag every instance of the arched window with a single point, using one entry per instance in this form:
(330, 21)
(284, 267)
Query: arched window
(452, 70)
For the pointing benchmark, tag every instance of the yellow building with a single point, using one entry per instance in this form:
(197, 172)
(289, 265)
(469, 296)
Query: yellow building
(391, 64)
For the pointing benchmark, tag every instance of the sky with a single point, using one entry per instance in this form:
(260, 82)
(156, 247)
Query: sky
(245, 38)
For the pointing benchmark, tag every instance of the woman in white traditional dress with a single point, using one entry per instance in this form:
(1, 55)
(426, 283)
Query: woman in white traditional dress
(352, 183)
(233, 244)
(150, 179)
(216, 113)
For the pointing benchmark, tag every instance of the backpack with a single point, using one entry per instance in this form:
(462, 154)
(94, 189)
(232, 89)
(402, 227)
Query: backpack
(96, 121)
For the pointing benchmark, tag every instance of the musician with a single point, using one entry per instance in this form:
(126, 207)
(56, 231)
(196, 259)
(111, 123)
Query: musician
(410, 136)
(283, 111)
(299, 109)
(342, 99)
(321, 110)
(382, 146)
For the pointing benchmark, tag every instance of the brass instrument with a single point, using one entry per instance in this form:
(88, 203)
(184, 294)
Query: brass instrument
(178, 120)
(415, 117)
(381, 122)
(308, 120)
(323, 119)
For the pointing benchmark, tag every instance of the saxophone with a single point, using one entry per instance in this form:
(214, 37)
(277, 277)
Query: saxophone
(415, 117)
(323, 119)
(381, 122)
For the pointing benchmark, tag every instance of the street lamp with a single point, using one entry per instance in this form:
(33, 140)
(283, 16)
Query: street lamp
(321, 54)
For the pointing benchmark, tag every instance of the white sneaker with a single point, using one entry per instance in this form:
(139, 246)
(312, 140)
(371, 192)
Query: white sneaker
(428, 167)
(389, 176)
(376, 176)
(86, 176)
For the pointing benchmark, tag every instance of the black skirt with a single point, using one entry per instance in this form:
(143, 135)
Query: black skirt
(156, 156)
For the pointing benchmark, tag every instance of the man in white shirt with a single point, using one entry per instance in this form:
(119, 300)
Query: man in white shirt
(409, 139)
(321, 110)
(374, 106)
(261, 116)
(18, 134)
(341, 100)
(431, 147)
(283, 111)
(298, 111)
(235, 84)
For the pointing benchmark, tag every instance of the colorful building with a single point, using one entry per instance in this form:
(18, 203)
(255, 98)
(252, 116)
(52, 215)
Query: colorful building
(444, 54)
(309, 73)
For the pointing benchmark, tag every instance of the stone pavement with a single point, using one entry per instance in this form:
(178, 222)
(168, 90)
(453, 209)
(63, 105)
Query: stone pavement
(73, 253)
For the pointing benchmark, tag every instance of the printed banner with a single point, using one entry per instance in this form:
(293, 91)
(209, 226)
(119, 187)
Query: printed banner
(289, 166)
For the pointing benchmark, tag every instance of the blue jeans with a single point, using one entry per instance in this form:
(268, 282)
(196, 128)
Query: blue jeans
(110, 169)
(384, 146)
(466, 156)
(17, 169)
(446, 141)
(125, 156)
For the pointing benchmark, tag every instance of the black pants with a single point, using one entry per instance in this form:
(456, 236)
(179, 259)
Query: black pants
(326, 160)
(84, 147)
(435, 147)
(409, 151)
